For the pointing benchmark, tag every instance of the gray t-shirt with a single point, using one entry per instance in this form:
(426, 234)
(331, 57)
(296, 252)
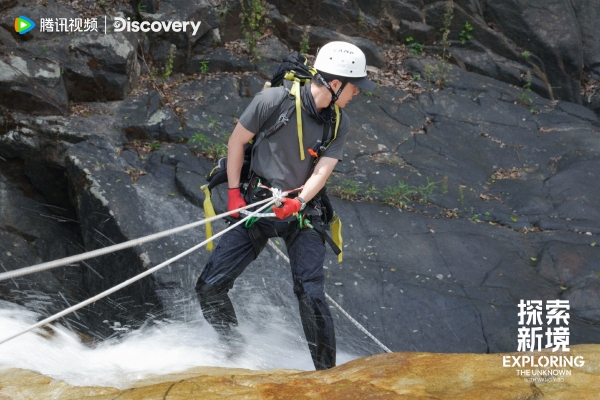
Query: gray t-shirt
(277, 158)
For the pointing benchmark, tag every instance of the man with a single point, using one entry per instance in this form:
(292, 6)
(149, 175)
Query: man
(277, 161)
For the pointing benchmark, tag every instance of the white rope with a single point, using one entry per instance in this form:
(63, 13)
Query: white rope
(131, 243)
(355, 322)
(131, 280)
(265, 215)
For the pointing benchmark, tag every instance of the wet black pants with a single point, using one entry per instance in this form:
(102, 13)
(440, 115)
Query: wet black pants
(307, 253)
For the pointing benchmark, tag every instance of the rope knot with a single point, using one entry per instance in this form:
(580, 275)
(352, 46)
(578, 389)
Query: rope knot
(278, 195)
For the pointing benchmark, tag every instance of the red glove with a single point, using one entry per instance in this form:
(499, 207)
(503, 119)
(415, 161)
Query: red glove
(235, 201)
(289, 207)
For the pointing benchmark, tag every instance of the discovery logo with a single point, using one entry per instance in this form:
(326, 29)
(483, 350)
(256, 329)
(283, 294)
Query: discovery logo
(23, 25)
(122, 24)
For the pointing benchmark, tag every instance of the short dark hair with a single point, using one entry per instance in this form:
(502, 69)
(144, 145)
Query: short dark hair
(317, 81)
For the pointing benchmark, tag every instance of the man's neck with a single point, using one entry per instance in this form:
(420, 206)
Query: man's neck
(321, 95)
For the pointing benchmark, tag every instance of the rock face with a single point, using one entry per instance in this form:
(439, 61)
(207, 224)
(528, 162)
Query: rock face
(386, 376)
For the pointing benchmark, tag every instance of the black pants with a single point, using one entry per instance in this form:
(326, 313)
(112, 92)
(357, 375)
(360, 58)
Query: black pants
(307, 253)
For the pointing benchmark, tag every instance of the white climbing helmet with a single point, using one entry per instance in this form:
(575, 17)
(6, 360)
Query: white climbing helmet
(343, 59)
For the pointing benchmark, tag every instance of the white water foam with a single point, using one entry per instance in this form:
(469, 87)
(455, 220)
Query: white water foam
(161, 349)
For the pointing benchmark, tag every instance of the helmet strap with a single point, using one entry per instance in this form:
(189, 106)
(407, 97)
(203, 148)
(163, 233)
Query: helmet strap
(334, 95)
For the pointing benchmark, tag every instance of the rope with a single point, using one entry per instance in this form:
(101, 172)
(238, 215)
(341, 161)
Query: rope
(129, 281)
(132, 243)
(355, 322)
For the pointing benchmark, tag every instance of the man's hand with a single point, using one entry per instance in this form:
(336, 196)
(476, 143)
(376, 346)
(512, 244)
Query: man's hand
(289, 207)
(235, 201)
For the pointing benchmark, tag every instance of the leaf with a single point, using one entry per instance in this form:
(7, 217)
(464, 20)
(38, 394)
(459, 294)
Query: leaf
(172, 194)
(533, 259)
(393, 269)
(563, 287)
(513, 218)
(593, 244)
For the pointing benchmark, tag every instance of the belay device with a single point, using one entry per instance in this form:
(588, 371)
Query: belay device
(293, 72)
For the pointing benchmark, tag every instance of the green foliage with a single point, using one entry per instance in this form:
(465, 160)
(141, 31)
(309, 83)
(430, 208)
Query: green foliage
(398, 196)
(169, 65)
(526, 54)
(361, 18)
(465, 34)
(415, 48)
(402, 194)
(222, 14)
(103, 4)
(428, 74)
(254, 21)
(347, 190)
(212, 151)
(141, 7)
(204, 66)
(524, 98)
(425, 192)
(304, 47)
(461, 195)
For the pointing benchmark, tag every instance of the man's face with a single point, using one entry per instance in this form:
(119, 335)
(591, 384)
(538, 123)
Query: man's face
(347, 94)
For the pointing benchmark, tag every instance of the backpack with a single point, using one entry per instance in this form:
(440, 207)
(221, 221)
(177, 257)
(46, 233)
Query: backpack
(293, 72)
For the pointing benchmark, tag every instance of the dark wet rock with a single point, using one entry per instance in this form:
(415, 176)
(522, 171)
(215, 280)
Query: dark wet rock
(545, 29)
(421, 33)
(434, 15)
(571, 188)
(6, 41)
(593, 102)
(149, 6)
(336, 15)
(32, 85)
(148, 118)
(177, 45)
(6, 4)
(477, 58)
(31, 231)
(397, 11)
(588, 18)
(219, 60)
(100, 68)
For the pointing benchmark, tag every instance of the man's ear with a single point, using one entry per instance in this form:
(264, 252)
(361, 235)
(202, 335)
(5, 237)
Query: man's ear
(335, 84)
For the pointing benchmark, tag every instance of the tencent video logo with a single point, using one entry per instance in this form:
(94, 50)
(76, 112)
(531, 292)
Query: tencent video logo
(23, 25)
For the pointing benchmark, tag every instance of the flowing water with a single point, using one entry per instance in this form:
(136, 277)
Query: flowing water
(165, 347)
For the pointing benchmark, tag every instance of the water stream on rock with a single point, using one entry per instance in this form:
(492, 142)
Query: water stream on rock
(164, 347)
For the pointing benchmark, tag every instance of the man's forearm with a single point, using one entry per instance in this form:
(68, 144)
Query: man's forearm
(235, 160)
(318, 179)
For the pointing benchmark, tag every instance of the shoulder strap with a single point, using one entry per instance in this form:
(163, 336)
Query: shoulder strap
(284, 112)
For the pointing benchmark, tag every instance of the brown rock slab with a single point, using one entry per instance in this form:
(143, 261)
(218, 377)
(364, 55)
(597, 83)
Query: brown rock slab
(384, 376)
